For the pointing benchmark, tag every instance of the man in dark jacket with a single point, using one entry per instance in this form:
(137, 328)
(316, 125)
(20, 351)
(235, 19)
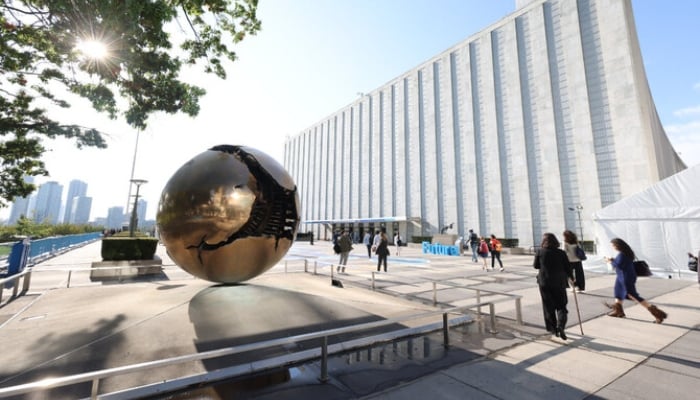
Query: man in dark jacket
(345, 244)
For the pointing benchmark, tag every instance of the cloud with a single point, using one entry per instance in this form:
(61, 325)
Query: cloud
(684, 112)
(696, 86)
(686, 140)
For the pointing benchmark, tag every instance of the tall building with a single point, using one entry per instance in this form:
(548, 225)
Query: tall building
(48, 202)
(20, 206)
(80, 210)
(141, 212)
(528, 126)
(76, 188)
(115, 218)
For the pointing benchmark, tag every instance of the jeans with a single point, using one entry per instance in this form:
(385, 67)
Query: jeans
(475, 257)
(344, 258)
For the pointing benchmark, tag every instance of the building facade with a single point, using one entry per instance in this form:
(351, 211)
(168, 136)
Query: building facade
(528, 126)
(80, 210)
(48, 203)
(76, 188)
(20, 206)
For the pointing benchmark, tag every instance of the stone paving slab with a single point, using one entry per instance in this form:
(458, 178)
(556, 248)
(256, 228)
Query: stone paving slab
(616, 358)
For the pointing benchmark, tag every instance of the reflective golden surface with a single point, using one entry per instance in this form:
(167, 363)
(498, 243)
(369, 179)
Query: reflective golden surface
(229, 214)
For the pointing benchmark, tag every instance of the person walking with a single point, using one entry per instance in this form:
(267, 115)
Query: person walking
(554, 271)
(496, 247)
(570, 245)
(397, 242)
(474, 244)
(367, 241)
(345, 244)
(375, 241)
(382, 251)
(626, 280)
(484, 252)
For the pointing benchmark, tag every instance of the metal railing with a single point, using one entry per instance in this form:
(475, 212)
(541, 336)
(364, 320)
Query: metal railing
(13, 282)
(319, 353)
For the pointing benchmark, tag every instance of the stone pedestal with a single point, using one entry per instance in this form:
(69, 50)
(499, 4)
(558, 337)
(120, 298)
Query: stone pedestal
(445, 239)
(126, 269)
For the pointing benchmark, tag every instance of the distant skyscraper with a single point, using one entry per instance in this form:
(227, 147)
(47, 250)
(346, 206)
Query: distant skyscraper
(20, 206)
(76, 188)
(141, 212)
(48, 202)
(80, 210)
(115, 217)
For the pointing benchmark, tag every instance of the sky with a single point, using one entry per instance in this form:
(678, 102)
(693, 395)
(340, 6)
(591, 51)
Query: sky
(314, 57)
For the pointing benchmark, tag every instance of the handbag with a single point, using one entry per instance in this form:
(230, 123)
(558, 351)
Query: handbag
(641, 268)
(580, 254)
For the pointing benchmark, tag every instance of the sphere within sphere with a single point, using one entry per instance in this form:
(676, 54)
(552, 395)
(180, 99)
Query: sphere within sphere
(229, 214)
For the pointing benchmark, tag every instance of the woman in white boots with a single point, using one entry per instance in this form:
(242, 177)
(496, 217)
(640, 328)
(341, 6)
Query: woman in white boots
(625, 282)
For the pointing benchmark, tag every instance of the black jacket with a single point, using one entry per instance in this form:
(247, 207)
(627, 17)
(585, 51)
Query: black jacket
(554, 268)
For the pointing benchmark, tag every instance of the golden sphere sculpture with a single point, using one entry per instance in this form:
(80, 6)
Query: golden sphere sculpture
(229, 214)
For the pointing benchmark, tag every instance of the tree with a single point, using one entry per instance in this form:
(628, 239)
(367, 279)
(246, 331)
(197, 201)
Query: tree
(147, 42)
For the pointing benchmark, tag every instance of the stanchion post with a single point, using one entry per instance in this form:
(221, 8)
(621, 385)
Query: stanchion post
(324, 360)
(445, 331)
(478, 301)
(434, 293)
(27, 281)
(492, 312)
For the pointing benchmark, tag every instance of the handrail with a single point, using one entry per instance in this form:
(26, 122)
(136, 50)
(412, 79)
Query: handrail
(26, 274)
(95, 376)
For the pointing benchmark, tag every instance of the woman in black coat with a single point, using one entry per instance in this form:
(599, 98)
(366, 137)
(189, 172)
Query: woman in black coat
(382, 251)
(554, 271)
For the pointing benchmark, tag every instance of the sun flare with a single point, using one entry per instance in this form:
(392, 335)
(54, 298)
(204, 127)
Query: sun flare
(92, 48)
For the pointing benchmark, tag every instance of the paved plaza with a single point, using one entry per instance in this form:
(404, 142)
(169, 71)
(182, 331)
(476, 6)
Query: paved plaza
(69, 324)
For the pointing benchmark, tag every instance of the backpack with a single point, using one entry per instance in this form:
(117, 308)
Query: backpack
(483, 248)
(580, 254)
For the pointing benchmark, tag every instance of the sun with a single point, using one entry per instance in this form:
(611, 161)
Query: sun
(93, 49)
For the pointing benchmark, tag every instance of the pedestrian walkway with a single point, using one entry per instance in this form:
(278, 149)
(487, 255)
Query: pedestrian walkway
(56, 330)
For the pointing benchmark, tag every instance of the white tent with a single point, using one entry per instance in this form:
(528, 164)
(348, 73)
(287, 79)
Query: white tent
(661, 223)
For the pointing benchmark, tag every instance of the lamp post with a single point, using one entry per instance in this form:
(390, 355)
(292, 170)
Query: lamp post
(578, 210)
(133, 167)
(134, 221)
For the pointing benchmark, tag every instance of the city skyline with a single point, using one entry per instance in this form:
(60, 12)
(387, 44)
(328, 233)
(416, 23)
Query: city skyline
(313, 58)
(47, 204)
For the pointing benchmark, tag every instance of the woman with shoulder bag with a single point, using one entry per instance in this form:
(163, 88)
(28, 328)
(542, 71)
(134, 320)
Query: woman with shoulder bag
(570, 246)
(625, 282)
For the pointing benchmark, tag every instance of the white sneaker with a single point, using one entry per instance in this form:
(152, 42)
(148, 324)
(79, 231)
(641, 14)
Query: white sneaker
(502, 269)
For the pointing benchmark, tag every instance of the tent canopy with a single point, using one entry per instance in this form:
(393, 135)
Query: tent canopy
(661, 223)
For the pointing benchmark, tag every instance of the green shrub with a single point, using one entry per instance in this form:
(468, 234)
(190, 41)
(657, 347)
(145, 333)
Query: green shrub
(588, 246)
(421, 239)
(510, 242)
(128, 248)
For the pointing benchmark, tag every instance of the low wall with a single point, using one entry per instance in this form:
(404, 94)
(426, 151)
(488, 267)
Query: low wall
(108, 270)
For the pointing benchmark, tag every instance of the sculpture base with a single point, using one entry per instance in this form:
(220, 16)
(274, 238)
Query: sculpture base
(126, 269)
